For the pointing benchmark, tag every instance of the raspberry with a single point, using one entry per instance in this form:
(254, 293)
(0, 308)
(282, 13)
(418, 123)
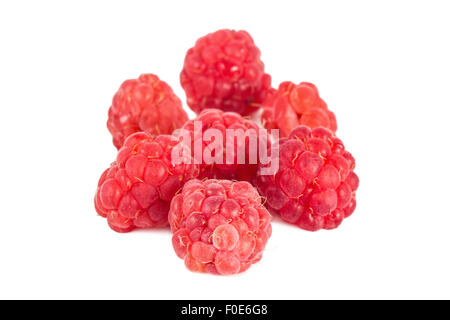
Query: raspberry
(292, 105)
(135, 192)
(144, 104)
(223, 122)
(219, 226)
(315, 185)
(224, 71)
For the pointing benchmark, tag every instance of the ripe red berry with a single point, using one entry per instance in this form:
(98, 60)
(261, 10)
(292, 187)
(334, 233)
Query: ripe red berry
(135, 192)
(144, 104)
(292, 105)
(315, 185)
(219, 226)
(223, 70)
(211, 120)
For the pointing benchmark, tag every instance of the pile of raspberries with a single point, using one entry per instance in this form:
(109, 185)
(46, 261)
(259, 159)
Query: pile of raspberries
(220, 211)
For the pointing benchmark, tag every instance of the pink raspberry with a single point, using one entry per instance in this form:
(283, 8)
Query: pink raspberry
(219, 226)
(223, 122)
(292, 105)
(315, 185)
(144, 104)
(135, 192)
(224, 71)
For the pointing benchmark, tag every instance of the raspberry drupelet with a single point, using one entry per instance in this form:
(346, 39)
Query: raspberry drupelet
(144, 104)
(315, 185)
(135, 192)
(292, 105)
(210, 120)
(224, 70)
(219, 226)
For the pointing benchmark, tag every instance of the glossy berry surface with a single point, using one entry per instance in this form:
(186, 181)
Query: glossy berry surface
(292, 105)
(235, 169)
(144, 104)
(224, 70)
(315, 185)
(135, 192)
(219, 226)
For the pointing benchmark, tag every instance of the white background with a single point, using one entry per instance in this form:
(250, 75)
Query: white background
(382, 66)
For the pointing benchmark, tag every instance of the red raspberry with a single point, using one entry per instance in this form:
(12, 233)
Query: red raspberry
(223, 121)
(144, 104)
(137, 189)
(315, 185)
(292, 105)
(223, 70)
(219, 226)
